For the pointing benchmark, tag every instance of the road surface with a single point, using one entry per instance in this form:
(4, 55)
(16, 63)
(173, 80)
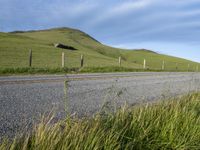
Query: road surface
(23, 99)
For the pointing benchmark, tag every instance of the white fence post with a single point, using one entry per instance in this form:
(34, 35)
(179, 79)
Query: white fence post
(163, 65)
(144, 66)
(63, 59)
(120, 61)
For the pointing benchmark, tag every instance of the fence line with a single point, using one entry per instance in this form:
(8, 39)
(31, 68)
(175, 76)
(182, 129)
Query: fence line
(165, 65)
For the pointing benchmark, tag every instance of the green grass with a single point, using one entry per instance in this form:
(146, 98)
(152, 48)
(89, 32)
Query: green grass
(73, 70)
(172, 124)
(117, 69)
(27, 70)
(14, 51)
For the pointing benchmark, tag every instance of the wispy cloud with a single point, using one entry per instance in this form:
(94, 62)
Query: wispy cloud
(120, 9)
(130, 6)
(69, 10)
(36, 14)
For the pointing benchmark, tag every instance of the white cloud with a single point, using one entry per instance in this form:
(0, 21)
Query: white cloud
(129, 6)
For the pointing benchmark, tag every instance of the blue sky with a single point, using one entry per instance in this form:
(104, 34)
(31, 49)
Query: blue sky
(171, 27)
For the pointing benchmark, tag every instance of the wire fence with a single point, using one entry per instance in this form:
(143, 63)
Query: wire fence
(78, 60)
(85, 60)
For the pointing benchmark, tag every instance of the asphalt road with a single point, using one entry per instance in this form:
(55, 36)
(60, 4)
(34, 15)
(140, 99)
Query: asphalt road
(23, 99)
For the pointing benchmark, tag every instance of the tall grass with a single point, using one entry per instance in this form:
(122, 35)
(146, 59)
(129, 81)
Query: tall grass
(172, 124)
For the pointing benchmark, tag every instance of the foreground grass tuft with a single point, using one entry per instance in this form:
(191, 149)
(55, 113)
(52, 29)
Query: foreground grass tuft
(173, 124)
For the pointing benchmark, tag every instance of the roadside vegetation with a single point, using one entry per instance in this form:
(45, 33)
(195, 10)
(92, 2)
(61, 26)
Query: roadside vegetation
(28, 70)
(169, 124)
(75, 70)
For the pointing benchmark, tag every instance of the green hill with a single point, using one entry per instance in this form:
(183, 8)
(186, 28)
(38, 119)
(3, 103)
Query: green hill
(14, 51)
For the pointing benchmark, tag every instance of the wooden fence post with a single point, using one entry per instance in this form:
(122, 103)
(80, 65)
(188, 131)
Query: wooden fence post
(163, 65)
(63, 59)
(82, 60)
(144, 66)
(30, 58)
(120, 61)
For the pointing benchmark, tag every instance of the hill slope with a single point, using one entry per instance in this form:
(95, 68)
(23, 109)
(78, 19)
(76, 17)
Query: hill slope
(14, 49)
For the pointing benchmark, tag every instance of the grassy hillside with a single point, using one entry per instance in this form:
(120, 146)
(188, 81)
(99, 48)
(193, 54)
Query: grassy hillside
(14, 51)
